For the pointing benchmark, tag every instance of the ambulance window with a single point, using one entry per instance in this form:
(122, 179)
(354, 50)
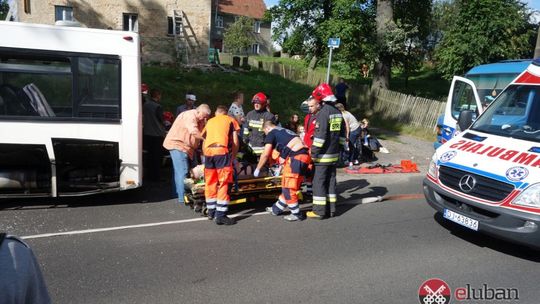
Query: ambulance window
(462, 98)
(515, 113)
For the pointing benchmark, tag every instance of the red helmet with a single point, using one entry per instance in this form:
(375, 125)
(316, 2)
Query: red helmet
(260, 98)
(144, 88)
(323, 92)
(168, 116)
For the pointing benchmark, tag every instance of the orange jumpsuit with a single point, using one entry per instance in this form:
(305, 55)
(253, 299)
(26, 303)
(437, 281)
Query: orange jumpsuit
(295, 168)
(218, 163)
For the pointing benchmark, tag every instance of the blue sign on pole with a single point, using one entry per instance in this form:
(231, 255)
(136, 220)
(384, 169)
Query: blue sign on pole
(334, 43)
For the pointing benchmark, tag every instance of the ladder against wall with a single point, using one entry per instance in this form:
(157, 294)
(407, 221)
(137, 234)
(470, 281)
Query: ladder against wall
(181, 44)
(185, 40)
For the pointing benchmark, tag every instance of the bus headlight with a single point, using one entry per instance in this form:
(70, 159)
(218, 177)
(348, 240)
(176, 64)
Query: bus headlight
(432, 169)
(530, 197)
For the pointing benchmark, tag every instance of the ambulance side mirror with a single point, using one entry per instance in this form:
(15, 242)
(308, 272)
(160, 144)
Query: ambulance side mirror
(465, 119)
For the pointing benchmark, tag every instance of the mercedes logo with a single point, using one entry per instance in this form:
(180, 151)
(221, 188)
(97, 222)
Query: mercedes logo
(467, 183)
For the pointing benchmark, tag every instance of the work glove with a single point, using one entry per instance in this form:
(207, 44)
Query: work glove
(256, 173)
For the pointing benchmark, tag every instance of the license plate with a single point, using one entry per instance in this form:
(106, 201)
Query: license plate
(461, 219)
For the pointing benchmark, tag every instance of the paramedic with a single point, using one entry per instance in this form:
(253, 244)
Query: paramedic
(219, 149)
(253, 125)
(297, 162)
(182, 140)
(329, 135)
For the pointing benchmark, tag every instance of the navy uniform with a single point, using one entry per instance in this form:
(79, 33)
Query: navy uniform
(253, 125)
(329, 136)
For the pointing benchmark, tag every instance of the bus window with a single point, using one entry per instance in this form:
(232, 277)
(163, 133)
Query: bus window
(99, 87)
(42, 86)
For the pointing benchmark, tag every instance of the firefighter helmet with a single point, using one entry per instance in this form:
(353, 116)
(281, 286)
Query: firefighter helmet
(260, 98)
(144, 88)
(323, 92)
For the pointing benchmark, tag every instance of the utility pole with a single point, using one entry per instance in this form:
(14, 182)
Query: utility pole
(333, 43)
(537, 48)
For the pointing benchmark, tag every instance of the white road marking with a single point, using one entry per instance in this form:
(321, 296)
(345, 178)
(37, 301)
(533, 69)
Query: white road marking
(199, 219)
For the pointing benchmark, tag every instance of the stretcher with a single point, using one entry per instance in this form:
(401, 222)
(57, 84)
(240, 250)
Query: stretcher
(245, 188)
(248, 190)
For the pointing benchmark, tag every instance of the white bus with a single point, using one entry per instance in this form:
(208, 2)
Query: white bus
(70, 110)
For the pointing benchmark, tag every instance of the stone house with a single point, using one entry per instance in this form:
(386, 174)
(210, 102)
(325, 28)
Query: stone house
(170, 30)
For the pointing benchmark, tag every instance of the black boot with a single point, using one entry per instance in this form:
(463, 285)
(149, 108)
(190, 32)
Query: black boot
(225, 220)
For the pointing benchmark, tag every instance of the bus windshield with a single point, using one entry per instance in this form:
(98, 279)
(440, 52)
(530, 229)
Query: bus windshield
(516, 113)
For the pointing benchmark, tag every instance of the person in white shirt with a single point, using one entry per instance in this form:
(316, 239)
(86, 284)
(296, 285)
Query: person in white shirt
(353, 132)
(235, 110)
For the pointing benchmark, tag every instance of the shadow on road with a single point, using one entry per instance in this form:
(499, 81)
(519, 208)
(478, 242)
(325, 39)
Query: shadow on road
(486, 241)
(150, 192)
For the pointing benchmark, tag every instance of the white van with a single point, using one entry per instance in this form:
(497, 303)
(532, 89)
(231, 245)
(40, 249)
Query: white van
(487, 178)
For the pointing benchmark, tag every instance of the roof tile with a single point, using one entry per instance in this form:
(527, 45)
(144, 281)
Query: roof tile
(250, 8)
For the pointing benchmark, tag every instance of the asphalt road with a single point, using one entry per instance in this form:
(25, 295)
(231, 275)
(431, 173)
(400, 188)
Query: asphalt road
(371, 253)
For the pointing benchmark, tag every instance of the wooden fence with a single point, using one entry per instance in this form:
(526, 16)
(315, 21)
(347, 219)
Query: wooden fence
(409, 110)
(406, 109)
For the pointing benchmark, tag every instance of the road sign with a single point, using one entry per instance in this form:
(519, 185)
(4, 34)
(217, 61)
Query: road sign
(334, 43)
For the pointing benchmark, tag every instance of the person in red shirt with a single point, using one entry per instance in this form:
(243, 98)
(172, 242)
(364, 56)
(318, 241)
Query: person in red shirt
(309, 128)
(310, 122)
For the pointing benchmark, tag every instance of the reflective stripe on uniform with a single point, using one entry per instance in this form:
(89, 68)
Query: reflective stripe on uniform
(326, 158)
(332, 198)
(342, 140)
(319, 200)
(257, 150)
(318, 142)
(256, 124)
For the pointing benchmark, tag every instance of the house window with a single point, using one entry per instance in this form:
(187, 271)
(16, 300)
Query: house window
(219, 21)
(255, 48)
(64, 13)
(131, 22)
(170, 26)
(257, 26)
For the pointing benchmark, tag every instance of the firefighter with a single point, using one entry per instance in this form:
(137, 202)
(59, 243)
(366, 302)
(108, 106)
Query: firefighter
(329, 135)
(296, 165)
(253, 125)
(219, 149)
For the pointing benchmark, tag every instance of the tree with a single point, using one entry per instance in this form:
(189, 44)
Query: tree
(238, 37)
(368, 32)
(482, 32)
(4, 9)
(385, 25)
(302, 16)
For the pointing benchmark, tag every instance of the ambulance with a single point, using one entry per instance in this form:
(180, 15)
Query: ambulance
(487, 178)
